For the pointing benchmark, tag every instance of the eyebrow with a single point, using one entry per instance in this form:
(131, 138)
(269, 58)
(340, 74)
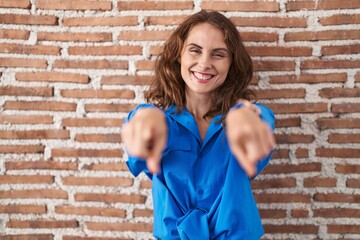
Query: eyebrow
(216, 49)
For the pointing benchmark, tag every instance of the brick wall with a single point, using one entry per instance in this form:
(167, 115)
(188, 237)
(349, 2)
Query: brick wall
(72, 69)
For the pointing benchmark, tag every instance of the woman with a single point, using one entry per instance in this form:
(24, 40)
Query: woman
(199, 138)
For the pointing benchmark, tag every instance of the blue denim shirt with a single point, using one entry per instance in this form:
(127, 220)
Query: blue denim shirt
(201, 191)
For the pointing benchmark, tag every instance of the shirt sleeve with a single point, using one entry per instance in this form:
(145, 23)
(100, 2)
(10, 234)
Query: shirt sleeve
(137, 165)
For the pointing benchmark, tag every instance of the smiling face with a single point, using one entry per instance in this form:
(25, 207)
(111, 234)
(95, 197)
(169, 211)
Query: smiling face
(205, 59)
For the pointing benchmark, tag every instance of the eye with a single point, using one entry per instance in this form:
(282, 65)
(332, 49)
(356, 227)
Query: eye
(195, 50)
(218, 55)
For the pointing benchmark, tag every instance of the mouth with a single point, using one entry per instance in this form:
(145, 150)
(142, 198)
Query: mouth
(202, 77)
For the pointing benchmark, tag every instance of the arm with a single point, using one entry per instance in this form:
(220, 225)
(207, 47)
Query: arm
(250, 136)
(144, 135)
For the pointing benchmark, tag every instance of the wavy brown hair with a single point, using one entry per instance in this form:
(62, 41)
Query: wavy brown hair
(168, 87)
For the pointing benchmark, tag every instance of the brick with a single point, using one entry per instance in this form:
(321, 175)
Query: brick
(74, 37)
(330, 64)
(259, 36)
(155, 5)
(42, 223)
(108, 107)
(280, 153)
(331, 123)
(146, 65)
(28, 19)
(28, 237)
(92, 238)
(343, 49)
(309, 78)
(272, 213)
(98, 181)
(302, 153)
(112, 138)
(105, 50)
(260, 6)
(109, 198)
(26, 119)
(279, 51)
(23, 209)
(337, 152)
(14, 34)
(314, 182)
(93, 64)
(126, 80)
(345, 107)
(278, 22)
(117, 166)
(143, 212)
(340, 19)
(91, 122)
(35, 134)
(267, 65)
(322, 35)
(273, 183)
(118, 94)
(26, 179)
(353, 183)
(288, 122)
(337, 213)
(294, 138)
(146, 184)
(52, 77)
(29, 49)
(42, 106)
(344, 138)
(124, 226)
(337, 197)
(100, 21)
(15, 4)
(347, 169)
(297, 229)
(17, 149)
(73, 5)
(36, 193)
(282, 198)
(145, 35)
(41, 165)
(298, 107)
(280, 93)
(164, 20)
(292, 168)
(27, 91)
(357, 77)
(90, 211)
(23, 62)
(299, 213)
(322, 5)
(88, 153)
(343, 229)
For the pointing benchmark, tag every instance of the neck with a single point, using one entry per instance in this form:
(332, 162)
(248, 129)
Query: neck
(198, 105)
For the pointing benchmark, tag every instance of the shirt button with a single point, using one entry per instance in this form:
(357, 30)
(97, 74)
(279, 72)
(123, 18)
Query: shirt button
(200, 191)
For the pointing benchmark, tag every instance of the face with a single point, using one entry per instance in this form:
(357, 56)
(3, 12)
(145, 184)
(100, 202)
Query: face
(205, 59)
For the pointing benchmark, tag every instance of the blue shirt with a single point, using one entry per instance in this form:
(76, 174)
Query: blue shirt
(201, 192)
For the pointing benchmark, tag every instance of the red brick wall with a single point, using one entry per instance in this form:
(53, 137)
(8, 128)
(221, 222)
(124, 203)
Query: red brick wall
(72, 69)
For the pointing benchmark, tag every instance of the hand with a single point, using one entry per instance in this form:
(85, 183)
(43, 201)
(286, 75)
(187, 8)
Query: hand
(250, 138)
(145, 136)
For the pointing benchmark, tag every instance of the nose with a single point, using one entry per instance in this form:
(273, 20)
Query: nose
(204, 61)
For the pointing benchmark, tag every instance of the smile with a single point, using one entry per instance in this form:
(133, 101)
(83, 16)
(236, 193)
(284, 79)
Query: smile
(203, 76)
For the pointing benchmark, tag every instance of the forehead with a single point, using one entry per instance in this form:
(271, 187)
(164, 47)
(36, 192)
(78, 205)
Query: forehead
(206, 35)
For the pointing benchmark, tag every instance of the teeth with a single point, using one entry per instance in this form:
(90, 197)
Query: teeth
(202, 76)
